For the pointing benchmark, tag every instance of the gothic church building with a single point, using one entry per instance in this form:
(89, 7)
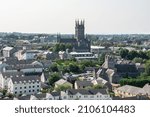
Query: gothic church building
(79, 42)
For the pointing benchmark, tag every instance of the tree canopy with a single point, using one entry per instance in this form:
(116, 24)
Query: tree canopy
(53, 78)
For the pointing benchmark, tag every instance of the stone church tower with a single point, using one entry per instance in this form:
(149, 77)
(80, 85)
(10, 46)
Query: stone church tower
(80, 42)
(79, 30)
(109, 62)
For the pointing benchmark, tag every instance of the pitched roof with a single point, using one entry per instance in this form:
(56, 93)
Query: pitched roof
(14, 61)
(21, 66)
(131, 98)
(101, 81)
(54, 94)
(61, 82)
(146, 88)
(8, 48)
(18, 79)
(20, 76)
(86, 92)
(84, 83)
(81, 91)
(110, 72)
(126, 68)
(11, 74)
(95, 91)
(131, 89)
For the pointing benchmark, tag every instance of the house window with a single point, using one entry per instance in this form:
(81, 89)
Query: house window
(15, 88)
(24, 91)
(25, 87)
(33, 86)
(92, 96)
(37, 90)
(29, 90)
(20, 87)
(71, 96)
(33, 90)
(20, 92)
(29, 86)
(15, 92)
(37, 85)
(85, 96)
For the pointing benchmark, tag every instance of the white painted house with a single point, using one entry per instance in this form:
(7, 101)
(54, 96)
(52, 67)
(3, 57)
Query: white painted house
(28, 85)
(83, 94)
(7, 51)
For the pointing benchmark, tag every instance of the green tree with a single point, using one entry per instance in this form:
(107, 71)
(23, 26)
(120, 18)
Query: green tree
(132, 54)
(135, 82)
(123, 53)
(68, 46)
(138, 60)
(143, 55)
(54, 68)
(148, 54)
(74, 68)
(147, 68)
(53, 78)
(4, 91)
(101, 58)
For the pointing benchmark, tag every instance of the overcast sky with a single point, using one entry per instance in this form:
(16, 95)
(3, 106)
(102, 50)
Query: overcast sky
(52, 16)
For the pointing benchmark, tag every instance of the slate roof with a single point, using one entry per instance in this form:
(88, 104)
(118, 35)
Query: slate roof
(124, 68)
(41, 96)
(27, 97)
(81, 91)
(84, 83)
(21, 66)
(11, 74)
(95, 91)
(14, 61)
(54, 94)
(86, 92)
(17, 79)
(20, 76)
